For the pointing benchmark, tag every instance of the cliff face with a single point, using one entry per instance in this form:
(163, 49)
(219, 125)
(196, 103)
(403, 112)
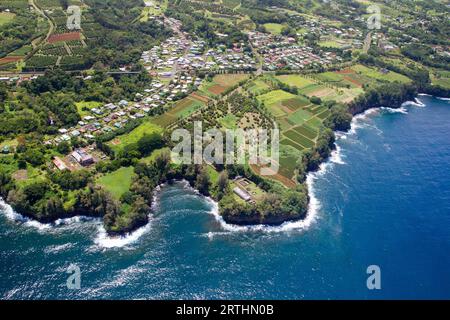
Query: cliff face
(389, 95)
(255, 219)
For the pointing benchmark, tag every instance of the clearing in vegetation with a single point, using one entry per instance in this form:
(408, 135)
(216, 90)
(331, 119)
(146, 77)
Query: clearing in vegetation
(133, 137)
(117, 182)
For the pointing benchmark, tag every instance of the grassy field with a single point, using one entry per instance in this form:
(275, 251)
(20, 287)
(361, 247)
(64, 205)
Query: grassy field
(295, 80)
(274, 28)
(83, 107)
(229, 121)
(117, 182)
(6, 17)
(153, 155)
(375, 74)
(257, 86)
(132, 137)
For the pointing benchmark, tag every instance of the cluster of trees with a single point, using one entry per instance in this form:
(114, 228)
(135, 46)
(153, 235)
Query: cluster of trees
(196, 23)
(340, 118)
(312, 158)
(273, 209)
(132, 152)
(68, 180)
(48, 102)
(426, 55)
(18, 32)
(387, 95)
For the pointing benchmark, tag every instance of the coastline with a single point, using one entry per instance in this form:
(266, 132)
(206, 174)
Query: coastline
(105, 240)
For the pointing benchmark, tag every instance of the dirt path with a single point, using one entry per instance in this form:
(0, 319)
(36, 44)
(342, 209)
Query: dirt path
(51, 28)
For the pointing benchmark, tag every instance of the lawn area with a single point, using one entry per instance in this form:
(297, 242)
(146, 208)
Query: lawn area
(330, 77)
(274, 28)
(117, 182)
(6, 17)
(295, 80)
(311, 89)
(84, 107)
(375, 74)
(132, 137)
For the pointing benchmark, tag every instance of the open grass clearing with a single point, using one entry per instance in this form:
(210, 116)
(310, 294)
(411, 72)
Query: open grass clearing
(133, 137)
(117, 182)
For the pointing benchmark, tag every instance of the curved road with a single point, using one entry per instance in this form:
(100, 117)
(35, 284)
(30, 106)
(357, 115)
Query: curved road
(51, 24)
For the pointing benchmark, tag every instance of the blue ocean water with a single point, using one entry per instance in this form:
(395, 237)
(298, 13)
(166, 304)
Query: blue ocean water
(384, 199)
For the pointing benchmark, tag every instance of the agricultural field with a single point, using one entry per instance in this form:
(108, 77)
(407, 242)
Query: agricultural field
(257, 87)
(221, 83)
(133, 137)
(117, 182)
(388, 76)
(299, 120)
(180, 109)
(296, 81)
(274, 102)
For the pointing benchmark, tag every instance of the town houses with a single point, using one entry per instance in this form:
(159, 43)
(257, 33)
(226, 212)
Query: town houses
(280, 52)
(179, 54)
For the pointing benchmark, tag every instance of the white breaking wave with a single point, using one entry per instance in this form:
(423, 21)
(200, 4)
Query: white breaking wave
(105, 241)
(58, 248)
(17, 217)
(443, 99)
(415, 103)
(402, 110)
(336, 156)
(358, 120)
(102, 239)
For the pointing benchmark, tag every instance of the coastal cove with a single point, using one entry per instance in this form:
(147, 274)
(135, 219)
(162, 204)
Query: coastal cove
(247, 218)
(186, 252)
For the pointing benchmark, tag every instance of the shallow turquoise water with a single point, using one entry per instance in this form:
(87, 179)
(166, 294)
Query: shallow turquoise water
(384, 200)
